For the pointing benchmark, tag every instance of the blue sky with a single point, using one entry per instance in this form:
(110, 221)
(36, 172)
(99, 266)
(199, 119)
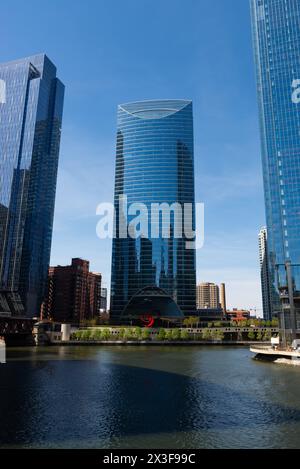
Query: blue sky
(114, 51)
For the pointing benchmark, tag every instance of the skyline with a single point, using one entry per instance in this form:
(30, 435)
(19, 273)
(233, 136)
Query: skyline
(223, 132)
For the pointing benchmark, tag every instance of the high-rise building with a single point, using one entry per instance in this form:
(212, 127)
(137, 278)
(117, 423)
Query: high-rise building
(73, 293)
(154, 164)
(223, 298)
(265, 274)
(31, 108)
(276, 37)
(208, 296)
(103, 301)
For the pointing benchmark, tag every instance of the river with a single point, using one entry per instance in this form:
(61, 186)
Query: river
(147, 397)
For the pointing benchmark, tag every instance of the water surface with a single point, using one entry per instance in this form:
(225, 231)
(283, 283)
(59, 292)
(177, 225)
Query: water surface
(147, 397)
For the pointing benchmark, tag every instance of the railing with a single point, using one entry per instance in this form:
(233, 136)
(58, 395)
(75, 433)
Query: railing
(261, 347)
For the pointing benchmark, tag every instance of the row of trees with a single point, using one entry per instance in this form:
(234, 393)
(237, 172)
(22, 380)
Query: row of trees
(194, 321)
(138, 333)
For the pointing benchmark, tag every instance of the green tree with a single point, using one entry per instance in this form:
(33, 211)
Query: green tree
(259, 335)
(93, 335)
(78, 335)
(145, 333)
(184, 335)
(218, 324)
(186, 322)
(267, 336)
(194, 321)
(175, 334)
(127, 334)
(138, 332)
(85, 335)
(251, 335)
(274, 322)
(161, 334)
(105, 334)
(122, 332)
(217, 335)
(206, 334)
(168, 334)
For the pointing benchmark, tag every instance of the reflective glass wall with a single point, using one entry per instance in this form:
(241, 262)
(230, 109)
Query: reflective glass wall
(154, 164)
(30, 128)
(276, 35)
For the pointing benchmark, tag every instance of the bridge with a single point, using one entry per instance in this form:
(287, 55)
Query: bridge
(16, 329)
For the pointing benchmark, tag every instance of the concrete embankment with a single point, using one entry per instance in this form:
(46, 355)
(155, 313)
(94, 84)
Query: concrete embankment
(153, 342)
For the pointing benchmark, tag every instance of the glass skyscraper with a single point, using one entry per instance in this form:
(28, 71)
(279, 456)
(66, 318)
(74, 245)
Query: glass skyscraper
(154, 164)
(30, 127)
(276, 35)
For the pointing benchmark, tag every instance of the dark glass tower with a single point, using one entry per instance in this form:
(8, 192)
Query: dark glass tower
(154, 164)
(276, 36)
(30, 129)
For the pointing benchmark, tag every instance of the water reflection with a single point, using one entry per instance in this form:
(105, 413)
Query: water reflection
(147, 397)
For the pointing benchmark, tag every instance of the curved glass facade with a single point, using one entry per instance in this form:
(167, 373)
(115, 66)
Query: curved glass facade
(154, 164)
(276, 37)
(30, 128)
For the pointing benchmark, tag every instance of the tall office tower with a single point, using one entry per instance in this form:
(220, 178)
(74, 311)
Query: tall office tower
(276, 37)
(208, 296)
(30, 126)
(265, 274)
(73, 293)
(223, 298)
(154, 164)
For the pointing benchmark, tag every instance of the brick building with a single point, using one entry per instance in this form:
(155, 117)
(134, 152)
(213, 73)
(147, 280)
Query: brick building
(73, 293)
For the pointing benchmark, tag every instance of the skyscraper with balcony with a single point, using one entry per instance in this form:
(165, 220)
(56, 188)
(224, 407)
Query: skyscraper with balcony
(265, 274)
(208, 296)
(276, 37)
(154, 165)
(30, 127)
